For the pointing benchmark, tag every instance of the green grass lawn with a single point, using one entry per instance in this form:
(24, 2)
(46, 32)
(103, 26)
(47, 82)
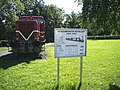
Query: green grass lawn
(3, 48)
(101, 70)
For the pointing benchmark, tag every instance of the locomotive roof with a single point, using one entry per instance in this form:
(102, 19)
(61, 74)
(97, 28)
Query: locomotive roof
(31, 16)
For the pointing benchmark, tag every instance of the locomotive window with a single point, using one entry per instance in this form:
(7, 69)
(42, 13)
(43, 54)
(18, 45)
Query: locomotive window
(40, 21)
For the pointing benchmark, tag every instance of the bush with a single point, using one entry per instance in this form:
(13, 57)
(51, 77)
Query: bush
(3, 43)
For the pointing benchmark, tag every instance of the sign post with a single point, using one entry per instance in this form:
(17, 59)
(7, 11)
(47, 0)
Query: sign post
(58, 72)
(80, 71)
(69, 43)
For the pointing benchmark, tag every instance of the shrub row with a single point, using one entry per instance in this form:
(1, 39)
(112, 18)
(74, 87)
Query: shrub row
(3, 43)
(103, 37)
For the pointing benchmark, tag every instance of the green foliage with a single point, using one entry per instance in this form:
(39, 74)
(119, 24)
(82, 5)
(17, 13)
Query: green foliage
(33, 7)
(3, 3)
(101, 16)
(8, 16)
(71, 20)
(53, 18)
(100, 70)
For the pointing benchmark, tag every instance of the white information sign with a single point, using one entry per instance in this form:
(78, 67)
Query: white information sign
(70, 42)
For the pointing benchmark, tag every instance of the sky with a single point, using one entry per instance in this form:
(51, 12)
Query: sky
(67, 5)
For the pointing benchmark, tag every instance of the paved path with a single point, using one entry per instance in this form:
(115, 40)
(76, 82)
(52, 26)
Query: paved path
(4, 52)
(49, 44)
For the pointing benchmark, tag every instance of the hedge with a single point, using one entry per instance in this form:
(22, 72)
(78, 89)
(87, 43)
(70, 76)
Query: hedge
(3, 43)
(103, 37)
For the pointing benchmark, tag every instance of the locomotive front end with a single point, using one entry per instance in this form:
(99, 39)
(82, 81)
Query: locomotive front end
(29, 35)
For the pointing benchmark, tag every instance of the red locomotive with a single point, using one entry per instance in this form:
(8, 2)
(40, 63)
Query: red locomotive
(29, 35)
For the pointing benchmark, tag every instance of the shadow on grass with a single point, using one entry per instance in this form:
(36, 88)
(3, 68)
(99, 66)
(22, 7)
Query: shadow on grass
(57, 87)
(113, 87)
(70, 87)
(10, 60)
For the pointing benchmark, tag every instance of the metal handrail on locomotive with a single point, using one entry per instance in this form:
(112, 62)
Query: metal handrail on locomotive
(29, 35)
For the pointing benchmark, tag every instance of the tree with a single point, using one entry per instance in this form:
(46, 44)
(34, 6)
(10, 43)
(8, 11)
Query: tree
(102, 16)
(53, 18)
(33, 7)
(71, 20)
(8, 10)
